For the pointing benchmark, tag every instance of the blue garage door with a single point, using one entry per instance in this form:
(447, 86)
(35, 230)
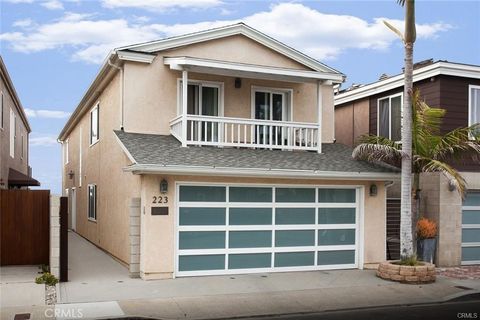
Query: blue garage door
(471, 228)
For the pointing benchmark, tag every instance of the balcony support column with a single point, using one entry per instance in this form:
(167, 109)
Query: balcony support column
(319, 111)
(184, 106)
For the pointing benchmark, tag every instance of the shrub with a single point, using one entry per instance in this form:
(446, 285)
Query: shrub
(46, 278)
(426, 229)
(409, 261)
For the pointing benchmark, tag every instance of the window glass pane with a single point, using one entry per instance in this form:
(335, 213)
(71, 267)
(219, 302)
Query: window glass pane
(471, 254)
(471, 235)
(207, 262)
(249, 194)
(294, 259)
(209, 101)
(295, 216)
(192, 98)
(254, 260)
(336, 215)
(331, 237)
(474, 106)
(94, 125)
(202, 216)
(472, 199)
(396, 111)
(471, 216)
(336, 257)
(250, 216)
(277, 104)
(201, 239)
(294, 238)
(202, 193)
(294, 195)
(250, 239)
(262, 105)
(383, 118)
(336, 195)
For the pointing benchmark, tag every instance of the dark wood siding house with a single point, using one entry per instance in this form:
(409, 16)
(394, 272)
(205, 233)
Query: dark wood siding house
(376, 109)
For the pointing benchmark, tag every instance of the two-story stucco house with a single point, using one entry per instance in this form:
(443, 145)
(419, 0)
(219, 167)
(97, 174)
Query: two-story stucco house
(213, 153)
(375, 108)
(14, 131)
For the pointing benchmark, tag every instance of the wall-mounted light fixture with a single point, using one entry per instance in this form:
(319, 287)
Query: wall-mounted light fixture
(238, 83)
(71, 174)
(163, 186)
(373, 190)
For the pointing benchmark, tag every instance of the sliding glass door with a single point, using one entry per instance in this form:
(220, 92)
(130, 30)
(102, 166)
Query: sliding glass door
(269, 105)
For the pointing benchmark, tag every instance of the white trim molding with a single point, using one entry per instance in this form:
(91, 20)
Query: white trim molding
(136, 56)
(433, 70)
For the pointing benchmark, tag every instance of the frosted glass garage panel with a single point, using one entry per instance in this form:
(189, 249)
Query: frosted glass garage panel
(201, 262)
(294, 259)
(294, 238)
(294, 195)
(250, 239)
(470, 235)
(336, 215)
(201, 240)
(334, 237)
(470, 254)
(249, 260)
(336, 257)
(336, 195)
(294, 216)
(202, 216)
(471, 216)
(250, 194)
(250, 216)
(472, 199)
(203, 193)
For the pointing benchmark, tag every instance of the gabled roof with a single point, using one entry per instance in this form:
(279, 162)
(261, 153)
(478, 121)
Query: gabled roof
(152, 153)
(431, 70)
(227, 31)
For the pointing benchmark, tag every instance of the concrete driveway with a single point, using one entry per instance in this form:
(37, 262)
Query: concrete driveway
(18, 287)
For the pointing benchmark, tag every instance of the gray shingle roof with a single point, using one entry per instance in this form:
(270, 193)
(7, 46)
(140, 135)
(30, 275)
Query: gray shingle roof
(166, 150)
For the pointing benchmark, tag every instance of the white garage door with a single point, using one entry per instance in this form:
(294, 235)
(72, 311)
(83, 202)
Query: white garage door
(471, 228)
(226, 229)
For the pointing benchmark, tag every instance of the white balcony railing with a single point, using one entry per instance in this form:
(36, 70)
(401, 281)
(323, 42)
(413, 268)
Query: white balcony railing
(247, 133)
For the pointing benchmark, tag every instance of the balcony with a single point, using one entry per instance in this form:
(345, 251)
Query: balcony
(216, 131)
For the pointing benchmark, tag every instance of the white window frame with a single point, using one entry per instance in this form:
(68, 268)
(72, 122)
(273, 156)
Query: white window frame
(65, 151)
(22, 154)
(2, 116)
(96, 109)
(13, 133)
(288, 97)
(90, 216)
(202, 83)
(359, 227)
(470, 104)
(390, 97)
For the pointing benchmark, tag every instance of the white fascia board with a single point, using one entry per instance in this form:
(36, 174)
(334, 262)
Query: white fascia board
(438, 68)
(261, 172)
(136, 56)
(230, 68)
(231, 30)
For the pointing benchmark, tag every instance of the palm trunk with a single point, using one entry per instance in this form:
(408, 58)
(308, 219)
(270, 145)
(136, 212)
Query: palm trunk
(406, 234)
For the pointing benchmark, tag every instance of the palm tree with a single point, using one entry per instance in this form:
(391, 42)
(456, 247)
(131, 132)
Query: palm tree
(432, 151)
(408, 38)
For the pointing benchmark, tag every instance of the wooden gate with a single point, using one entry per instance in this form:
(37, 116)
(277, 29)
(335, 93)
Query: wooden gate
(24, 227)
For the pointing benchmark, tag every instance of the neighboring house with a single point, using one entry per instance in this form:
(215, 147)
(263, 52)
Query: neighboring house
(213, 153)
(14, 130)
(376, 109)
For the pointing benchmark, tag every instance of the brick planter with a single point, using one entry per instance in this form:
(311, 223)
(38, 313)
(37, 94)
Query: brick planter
(407, 274)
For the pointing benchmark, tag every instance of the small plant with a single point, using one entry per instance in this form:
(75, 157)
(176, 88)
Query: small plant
(43, 268)
(409, 261)
(46, 278)
(426, 229)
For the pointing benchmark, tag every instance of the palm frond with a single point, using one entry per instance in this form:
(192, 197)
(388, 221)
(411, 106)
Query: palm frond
(373, 139)
(454, 178)
(394, 30)
(377, 153)
(401, 2)
(459, 143)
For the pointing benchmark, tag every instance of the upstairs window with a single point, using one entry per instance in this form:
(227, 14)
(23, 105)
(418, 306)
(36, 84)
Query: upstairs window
(92, 202)
(13, 133)
(65, 152)
(1, 109)
(473, 105)
(389, 117)
(94, 126)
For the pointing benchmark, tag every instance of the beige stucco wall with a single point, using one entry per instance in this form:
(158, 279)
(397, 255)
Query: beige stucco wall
(102, 165)
(158, 232)
(18, 162)
(351, 121)
(153, 88)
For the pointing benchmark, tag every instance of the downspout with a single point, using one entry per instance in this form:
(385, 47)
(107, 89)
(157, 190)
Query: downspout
(122, 87)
